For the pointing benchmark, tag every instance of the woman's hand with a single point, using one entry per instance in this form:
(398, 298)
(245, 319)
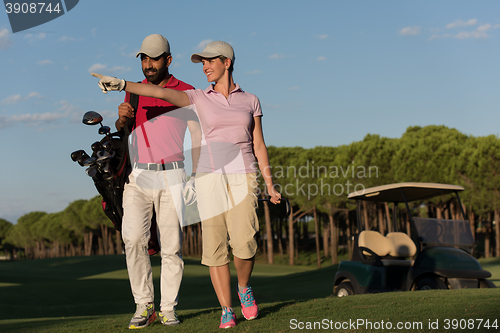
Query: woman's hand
(108, 83)
(275, 195)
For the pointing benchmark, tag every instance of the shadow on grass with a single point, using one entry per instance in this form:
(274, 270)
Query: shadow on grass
(267, 310)
(43, 325)
(96, 286)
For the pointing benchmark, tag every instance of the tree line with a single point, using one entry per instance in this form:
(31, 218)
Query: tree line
(316, 181)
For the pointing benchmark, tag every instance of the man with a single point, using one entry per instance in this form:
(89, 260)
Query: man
(156, 181)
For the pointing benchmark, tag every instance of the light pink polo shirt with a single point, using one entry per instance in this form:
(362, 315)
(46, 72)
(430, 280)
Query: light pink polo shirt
(158, 134)
(227, 125)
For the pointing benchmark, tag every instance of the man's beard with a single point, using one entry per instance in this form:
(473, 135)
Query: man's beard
(157, 77)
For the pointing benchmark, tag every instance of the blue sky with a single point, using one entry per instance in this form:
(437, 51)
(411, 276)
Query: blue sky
(327, 73)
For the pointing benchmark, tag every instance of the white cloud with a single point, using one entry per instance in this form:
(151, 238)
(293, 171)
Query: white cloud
(5, 41)
(321, 58)
(484, 27)
(276, 56)
(203, 43)
(36, 117)
(30, 119)
(64, 109)
(45, 62)
(97, 67)
(101, 69)
(34, 94)
(410, 31)
(14, 99)
(481, 32)
(66, 39)
(324, 36)
(471, 34)
(93, 32)
(460, 23)
(32, 37)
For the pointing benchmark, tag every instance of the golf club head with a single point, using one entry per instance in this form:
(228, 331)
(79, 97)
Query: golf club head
(83, 158)
(77, 154)
(90, 161)
(104, 130)
(106, 168)
(107, 172)
(108, 145)
(96, 146)
(105, 155)
(92, 118)
(101, 163)
(91, 171)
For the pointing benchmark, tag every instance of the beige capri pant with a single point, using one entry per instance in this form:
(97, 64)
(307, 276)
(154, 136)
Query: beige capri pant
(227, 204)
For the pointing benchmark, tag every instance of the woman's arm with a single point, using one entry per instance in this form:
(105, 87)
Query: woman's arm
(195, 130)
(262, 157)
(175, 97)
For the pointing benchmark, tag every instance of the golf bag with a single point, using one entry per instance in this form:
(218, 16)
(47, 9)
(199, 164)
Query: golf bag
(111, 187)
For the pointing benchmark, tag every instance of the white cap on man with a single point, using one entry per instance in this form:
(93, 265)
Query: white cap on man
(213, 50)
(154, 46)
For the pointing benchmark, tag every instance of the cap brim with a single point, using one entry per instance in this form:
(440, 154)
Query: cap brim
(196, 57)
(151, 55)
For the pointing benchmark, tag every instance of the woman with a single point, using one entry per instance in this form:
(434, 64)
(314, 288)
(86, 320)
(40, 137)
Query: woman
(226, 179)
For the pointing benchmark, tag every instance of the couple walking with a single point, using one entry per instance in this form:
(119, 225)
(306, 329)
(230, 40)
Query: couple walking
(225, 125)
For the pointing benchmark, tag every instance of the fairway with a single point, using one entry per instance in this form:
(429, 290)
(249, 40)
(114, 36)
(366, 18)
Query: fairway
(92, 294)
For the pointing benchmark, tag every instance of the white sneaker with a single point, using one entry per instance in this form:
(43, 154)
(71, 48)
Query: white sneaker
(169, 318)
(144, 315)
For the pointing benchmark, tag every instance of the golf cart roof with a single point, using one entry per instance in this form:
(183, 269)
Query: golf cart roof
(412, 192)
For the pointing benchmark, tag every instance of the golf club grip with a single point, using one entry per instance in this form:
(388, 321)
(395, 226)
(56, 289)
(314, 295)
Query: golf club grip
(287, 204)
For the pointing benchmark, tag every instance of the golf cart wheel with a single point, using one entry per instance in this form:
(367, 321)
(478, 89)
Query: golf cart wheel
(483, 283)
(344, 289)
(430, 283)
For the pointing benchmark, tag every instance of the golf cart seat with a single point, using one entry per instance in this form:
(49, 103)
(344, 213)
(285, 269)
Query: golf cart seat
(402, 247)
(391, 250)
(373, 243)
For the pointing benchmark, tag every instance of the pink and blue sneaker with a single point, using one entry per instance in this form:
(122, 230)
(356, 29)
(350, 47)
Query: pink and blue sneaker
(248, 305)
(228, 318)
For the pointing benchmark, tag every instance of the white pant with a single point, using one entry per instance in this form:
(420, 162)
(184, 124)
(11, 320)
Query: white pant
(163, 191)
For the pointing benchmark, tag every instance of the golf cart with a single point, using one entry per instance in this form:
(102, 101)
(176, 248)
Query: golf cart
(436, 256)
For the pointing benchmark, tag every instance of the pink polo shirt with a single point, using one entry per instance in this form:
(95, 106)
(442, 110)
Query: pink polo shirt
(158, 135)
(227, 125)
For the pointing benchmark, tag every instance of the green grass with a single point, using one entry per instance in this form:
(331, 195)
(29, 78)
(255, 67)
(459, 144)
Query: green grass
(92, 294)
